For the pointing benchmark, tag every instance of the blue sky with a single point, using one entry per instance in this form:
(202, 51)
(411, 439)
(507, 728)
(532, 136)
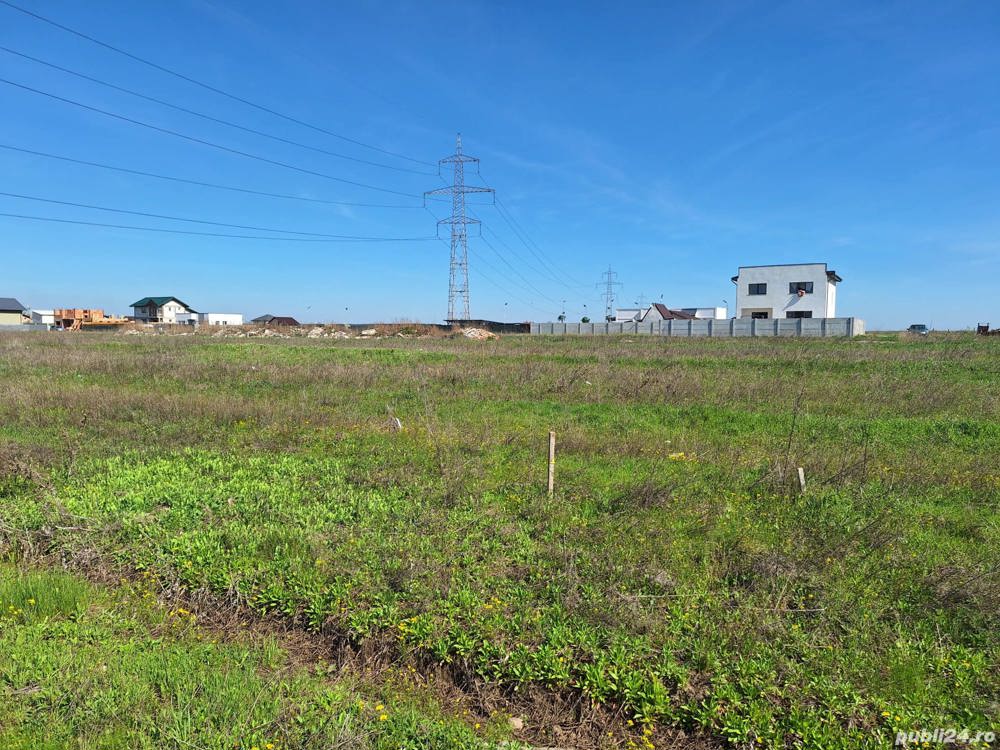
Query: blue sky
(671, 141)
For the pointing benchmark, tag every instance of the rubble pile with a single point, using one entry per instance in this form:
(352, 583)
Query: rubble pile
(479, 334)
(310, 332)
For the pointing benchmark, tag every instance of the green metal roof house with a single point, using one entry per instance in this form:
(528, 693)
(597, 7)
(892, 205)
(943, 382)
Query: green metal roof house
(163, 310)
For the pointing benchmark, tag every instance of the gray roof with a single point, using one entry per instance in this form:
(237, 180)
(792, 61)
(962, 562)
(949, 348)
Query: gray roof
(9, 303)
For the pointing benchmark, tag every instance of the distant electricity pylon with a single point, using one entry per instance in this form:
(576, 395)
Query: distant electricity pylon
(609, 285)
(458, 272)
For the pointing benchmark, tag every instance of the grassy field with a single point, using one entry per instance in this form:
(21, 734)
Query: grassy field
(677, 590)
(113, 667)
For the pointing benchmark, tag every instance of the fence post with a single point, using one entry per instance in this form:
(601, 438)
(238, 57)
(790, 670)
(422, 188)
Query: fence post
(552, 462)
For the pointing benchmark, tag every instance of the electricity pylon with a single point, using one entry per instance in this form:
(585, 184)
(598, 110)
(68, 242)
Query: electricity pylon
(609, 285)
(458, 271)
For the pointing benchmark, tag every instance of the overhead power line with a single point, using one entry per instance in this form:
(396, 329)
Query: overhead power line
(514, 268)
(210, 234)
(477, 270)
(534, 249)
(202, 183)
(541, 272)
(209, 87)
(167, 217)
(202, 141)
(532, 246)
(524, 280)
(210, 118)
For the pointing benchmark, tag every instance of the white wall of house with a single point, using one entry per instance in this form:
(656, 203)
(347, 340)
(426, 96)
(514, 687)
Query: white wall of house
(220, 319)
(43, 317)
(707, 313)
(627, 314)
(775, 299)
(175, 312)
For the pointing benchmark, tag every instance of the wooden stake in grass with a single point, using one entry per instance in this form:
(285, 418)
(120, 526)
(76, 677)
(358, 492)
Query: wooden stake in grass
(802, 479)
(552, 462)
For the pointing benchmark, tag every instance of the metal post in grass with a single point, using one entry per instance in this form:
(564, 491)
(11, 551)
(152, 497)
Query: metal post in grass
(552, 462)
(802, 479)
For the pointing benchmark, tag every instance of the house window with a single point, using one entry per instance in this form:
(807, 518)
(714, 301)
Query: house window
(799, 314)
(758, 315)
(795, 287)
(758, 289)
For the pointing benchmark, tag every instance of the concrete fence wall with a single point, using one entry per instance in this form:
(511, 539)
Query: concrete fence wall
(734, 327)
(24, 327)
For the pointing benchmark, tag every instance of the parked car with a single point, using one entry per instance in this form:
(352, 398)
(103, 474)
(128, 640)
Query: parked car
(920, 329)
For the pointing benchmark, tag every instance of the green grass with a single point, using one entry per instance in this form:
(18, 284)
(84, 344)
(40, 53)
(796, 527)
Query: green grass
(95, 668)
(677, 573)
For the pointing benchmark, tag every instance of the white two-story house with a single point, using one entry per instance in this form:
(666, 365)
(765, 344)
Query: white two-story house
(792, 290)
(163, 310)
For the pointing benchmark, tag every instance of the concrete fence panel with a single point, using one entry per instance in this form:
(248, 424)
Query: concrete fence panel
(734, 327)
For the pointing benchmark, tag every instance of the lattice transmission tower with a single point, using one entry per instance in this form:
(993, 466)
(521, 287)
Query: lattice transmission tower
(609, 283)
(458, 271)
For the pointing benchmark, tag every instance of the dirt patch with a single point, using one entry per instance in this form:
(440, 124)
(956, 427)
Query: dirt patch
(23, 464)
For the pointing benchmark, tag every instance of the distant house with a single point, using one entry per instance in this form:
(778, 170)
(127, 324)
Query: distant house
(11, 311)
(627, 314)
(42, 317)
(792, 290)
(706, 313)
(220, 319)
(275, 320)
(659, 311)
(163, 310)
